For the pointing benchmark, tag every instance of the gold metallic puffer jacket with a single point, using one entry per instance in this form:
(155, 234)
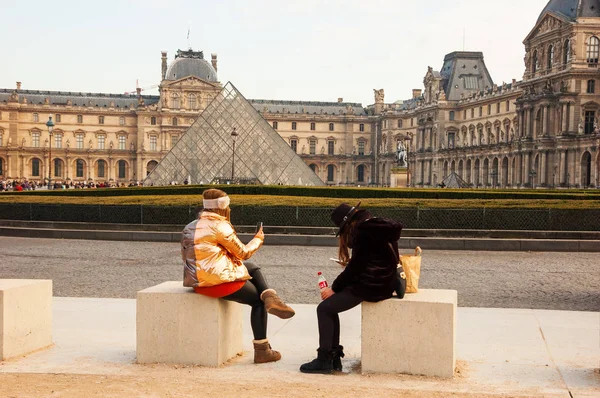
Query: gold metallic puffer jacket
(212, 252)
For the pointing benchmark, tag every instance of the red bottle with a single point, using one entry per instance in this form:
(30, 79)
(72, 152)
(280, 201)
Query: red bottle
(322, 281)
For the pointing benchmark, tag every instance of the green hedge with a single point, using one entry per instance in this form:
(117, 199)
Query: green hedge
(328, 192)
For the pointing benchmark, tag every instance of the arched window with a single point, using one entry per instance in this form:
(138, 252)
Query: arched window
(330, 173)
(550, 57)
(360, 173)
(79, 168)
(150, 166)
(174, 121)
(35, 167)
(591, 86)
(593, 50)
(535, 62)
(122, 169)
(193, 104)
(313, 167)
(567, 52)
(101, 173)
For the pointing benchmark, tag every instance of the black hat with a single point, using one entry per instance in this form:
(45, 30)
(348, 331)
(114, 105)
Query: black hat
(342, 214)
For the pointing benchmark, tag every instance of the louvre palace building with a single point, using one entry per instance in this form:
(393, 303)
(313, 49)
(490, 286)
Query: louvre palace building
(540, 131)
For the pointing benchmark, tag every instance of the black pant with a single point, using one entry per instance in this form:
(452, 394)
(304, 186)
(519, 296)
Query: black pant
(329, 320)
(250, 294)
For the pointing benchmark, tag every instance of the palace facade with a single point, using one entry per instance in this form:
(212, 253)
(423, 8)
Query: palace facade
(541, 131)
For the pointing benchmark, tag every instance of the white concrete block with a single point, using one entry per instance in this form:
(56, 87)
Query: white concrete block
(177, 325)
(25, 316)
(416, 335)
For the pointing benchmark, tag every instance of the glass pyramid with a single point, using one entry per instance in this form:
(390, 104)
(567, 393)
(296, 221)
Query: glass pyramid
(203, 154)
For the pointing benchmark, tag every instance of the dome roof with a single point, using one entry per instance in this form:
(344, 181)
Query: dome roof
(573, 9)
(191, 63)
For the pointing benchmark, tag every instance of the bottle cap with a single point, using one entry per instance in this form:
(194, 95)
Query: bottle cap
(319, 273)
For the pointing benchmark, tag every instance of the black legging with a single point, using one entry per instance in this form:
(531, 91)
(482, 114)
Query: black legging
(329, 320)
(250, 294)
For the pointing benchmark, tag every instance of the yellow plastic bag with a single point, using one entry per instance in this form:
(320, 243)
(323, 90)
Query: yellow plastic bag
(412, 268)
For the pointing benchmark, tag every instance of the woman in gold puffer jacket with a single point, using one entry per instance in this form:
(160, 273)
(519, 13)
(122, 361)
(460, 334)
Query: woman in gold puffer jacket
(214, 266)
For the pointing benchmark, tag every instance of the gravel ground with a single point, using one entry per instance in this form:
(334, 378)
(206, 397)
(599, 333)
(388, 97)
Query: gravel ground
(82, 268)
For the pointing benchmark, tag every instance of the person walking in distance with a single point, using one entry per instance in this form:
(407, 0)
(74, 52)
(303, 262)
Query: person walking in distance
(215, 266)
(370, 274)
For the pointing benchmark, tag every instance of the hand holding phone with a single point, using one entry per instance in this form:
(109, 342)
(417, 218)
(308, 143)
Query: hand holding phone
(337, 260)
(259, 231)
(259, 226)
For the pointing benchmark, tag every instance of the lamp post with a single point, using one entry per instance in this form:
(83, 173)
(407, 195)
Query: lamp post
(553, 180)
(50, 125)
(234, 135)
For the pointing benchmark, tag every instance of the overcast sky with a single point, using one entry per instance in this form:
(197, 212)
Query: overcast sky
(313, 50)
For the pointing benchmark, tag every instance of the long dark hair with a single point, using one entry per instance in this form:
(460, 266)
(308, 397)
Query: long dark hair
(347, 235)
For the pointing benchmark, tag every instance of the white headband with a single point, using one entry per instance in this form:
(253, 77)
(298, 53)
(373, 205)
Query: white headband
(219, 203)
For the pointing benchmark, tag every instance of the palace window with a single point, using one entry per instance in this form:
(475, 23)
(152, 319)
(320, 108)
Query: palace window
(593, 50)
(535, 62)
(313, 167)
(331, 126)
(312, 126)
(122, 121)
(275, 125)
(360, 173)
(122, 142)
(451, 115)
(294, 125)
(192, 101)
(589, 121)
(550, 57)
(361, 148)
(294, 145)
(591, 86)
(498, 107)
(36, 117)
(100, 119)
(567, 52)
(57, 168)
(79, 119)
(330, 147)
(174, 121)
(489, 112)
(465, 114)
(174, 139)
(122, 169)
(58, 140)
(175, 101)
(79, 168)
(101, 141)
(101, 168)
(35, 167)
(57, 118)
(471, 82)
(153, 143)
(451, 138)
(361, 127)
(0, 138)
(399, 123)
(79, 141)
(480, 111)
(507, 106)
(472, 113)
(412, 122)
(35, 139)
(330, 173)
(153, 120)
(312, 147)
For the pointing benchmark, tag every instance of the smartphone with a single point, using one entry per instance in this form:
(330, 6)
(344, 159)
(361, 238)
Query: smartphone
(259, 226)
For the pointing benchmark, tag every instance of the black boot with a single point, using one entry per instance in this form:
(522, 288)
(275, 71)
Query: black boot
(322, 364)
(338, 354)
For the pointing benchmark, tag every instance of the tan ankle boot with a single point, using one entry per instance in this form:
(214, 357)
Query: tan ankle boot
(275, 305)
(263, 352)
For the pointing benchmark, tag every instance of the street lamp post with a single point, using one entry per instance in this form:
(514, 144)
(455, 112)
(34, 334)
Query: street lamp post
(234, 135)
(50, 125)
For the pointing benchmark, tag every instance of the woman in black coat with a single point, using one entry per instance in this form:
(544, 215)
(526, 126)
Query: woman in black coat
(370, 274)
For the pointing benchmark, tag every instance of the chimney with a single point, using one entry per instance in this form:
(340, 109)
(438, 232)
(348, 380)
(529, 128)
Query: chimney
(340, 100)
(139, 91)
(164, 64)
(18, 85)
(416, 93)
(213, 60)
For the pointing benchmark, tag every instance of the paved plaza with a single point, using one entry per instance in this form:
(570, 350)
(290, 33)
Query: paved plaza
(108, 269)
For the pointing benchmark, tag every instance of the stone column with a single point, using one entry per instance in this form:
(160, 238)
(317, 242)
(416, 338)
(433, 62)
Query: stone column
(572, 122)
(545, 120)
(562, 173)
(110, 169)
(594, 173)
(526, 167)
(564, 118)
(543, 177)
(577, 167)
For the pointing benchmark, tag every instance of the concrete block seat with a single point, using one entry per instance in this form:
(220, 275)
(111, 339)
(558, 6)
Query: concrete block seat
(415, 335)
(176, 325)
(25, 316)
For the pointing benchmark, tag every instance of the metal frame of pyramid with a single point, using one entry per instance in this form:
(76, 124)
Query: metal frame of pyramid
(204, 152)
(454, 181)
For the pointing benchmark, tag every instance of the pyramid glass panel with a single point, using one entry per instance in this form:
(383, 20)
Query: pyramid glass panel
(205, 151)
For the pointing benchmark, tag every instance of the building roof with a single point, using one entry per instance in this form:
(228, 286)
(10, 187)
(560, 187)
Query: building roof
(464, 73)
(573, 9)
(191, 63)
(100, 100)
(307, 107)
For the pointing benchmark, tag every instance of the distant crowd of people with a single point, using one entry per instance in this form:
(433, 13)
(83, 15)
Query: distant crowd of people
(26, 185)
